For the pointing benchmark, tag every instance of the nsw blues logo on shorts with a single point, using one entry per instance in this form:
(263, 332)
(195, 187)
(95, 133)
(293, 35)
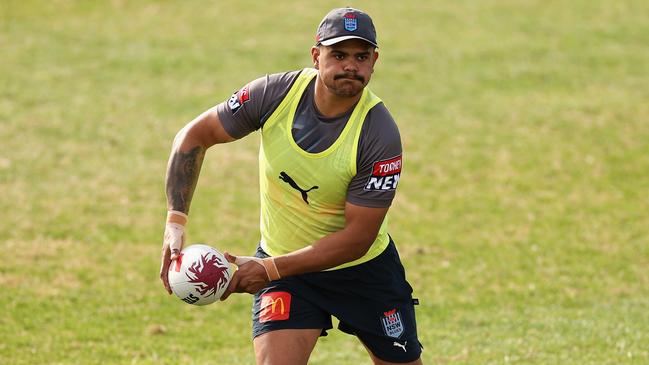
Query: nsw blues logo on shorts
(392, 324)
(351, 23)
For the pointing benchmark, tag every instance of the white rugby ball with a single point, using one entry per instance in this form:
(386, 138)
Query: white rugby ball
(200, 275)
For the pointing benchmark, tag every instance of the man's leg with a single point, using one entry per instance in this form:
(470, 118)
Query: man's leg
(285, 347)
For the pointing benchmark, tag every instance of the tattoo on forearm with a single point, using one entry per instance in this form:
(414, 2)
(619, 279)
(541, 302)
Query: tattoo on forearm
(182, 175)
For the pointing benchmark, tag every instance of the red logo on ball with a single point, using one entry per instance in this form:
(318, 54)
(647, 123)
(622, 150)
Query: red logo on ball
(208, 275)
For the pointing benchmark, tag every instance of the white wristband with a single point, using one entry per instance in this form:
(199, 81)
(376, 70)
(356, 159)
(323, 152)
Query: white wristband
(177, 212)
(174, 236)
(268, 264)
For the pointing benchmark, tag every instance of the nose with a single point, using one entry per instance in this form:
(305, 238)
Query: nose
(350, 65)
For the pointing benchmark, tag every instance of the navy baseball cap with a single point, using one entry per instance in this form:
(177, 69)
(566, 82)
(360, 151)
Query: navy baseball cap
(345, 23)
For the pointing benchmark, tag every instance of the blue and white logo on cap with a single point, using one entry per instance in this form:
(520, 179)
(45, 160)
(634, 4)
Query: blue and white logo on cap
(351, 23)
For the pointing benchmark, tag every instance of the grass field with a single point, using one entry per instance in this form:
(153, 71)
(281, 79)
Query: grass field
(522, 214)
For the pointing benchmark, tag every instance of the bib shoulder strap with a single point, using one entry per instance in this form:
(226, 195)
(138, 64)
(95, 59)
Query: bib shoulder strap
(296, 90)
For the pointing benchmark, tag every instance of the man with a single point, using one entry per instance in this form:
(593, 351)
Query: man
(329, 165)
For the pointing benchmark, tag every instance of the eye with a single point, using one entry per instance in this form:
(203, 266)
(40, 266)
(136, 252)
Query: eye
(339, 57)
(362, 57)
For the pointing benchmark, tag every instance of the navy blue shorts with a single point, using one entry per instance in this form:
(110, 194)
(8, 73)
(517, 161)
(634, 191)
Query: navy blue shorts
(372, 301)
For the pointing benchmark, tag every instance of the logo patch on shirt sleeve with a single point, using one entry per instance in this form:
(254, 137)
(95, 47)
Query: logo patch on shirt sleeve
(239, 98)
(385, 175)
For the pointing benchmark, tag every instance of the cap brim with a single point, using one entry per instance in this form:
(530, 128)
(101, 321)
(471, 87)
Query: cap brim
(333, 41)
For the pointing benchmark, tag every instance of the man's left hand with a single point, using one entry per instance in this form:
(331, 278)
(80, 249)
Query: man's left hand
(250, 276)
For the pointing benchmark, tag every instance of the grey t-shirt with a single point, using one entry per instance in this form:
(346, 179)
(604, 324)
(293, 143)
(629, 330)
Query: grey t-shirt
(379, 149)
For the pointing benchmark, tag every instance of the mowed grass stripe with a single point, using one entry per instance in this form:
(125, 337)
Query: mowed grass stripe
(521, 215)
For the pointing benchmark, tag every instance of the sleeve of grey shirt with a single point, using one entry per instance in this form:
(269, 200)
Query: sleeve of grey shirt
(249, 107)
(380, 143)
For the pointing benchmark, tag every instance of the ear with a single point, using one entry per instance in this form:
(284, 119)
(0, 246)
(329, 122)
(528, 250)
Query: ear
(375, 57)
(315, 56)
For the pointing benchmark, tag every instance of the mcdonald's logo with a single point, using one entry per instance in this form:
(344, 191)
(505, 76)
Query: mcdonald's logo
(275, 306)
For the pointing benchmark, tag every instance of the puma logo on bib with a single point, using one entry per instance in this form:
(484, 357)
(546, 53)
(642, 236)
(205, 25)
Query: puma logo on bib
(287, 179)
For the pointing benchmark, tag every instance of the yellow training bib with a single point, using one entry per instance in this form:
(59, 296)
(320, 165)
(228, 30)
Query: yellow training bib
(303, 194)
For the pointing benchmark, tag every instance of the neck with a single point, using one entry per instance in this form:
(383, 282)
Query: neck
(330, 104)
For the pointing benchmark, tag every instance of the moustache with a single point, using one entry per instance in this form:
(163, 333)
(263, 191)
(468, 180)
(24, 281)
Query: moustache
(349, 76)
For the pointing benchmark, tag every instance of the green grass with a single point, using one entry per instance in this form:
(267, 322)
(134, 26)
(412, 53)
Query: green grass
(522, 213)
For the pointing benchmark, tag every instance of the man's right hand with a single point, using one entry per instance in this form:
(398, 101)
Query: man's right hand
(172, 244)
